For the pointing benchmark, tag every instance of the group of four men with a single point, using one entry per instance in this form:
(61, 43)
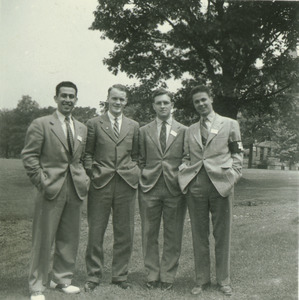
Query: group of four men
(172, 165)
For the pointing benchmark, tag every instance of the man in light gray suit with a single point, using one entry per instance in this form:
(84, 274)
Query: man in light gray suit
(160, 154)
(52, 157)
(211, 166)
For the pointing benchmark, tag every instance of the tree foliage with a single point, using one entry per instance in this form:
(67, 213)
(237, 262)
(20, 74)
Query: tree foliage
(241, 48)
(279, 124)
(14, 123)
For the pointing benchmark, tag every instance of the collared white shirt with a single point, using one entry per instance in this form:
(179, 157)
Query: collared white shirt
(61, 118)
(168, 126)
(112, 120)
(209, 119)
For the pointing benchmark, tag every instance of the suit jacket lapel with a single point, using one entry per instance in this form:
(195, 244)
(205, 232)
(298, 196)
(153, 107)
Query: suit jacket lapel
(197, 134)
(78, 134)
(216, 125)
(106, 126)
(58, 131)
(153, 133)
(172, 134)
(125, 127)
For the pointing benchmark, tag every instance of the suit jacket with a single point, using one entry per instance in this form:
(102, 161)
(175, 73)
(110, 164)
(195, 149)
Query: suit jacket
(153, 161)
(221, 156)
(105, 155)
(47, 160)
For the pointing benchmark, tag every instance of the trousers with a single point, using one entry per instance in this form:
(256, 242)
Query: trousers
(56, 223)
(155, 205)
(204, 200)
(118, 198)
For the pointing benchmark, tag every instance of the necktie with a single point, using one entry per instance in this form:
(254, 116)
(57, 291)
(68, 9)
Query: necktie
(204, 131)
(69, 135)
(116, 128)
(163, 136)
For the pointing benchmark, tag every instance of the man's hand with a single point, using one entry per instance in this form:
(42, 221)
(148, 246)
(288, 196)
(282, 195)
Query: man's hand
(182, 166)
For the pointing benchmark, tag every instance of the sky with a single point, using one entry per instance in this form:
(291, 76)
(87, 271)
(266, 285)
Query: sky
(45, 42)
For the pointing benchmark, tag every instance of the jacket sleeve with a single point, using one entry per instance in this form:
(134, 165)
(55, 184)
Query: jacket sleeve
(135, 145)
(236, 148)
(142, 149)
(90, 145)
(32, 152)
(186, 153)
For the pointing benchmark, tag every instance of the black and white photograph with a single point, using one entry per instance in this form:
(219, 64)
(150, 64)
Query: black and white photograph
(149, 149)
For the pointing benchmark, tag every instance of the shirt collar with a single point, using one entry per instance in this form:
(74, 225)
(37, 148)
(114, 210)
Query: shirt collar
(210, 116)
(61, 117)
(168, 121)
(112, 118)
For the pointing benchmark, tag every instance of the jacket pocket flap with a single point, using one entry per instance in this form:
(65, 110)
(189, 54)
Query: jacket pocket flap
(227, 165)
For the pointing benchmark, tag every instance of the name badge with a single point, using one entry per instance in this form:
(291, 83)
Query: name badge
(79, 138)
(173, 133)
(213, 130)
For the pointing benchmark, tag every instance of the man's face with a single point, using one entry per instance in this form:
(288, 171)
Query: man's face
(203, 103)
(162, 106)
(66, 100)
(117, 101)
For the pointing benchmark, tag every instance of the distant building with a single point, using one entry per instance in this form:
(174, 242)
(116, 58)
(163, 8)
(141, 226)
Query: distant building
(264, 157)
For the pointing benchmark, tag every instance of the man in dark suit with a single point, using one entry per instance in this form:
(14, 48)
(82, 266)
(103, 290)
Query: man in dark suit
(111, 161)
(52, 158)
(161, 150)
(211, 166)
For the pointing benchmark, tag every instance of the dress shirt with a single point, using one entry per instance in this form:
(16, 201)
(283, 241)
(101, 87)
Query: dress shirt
(61, 118)
(112, 120)
(168, 124)
(209, 120)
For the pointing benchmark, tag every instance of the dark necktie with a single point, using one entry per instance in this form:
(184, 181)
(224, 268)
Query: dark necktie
(69, 135)
(204, 131)
(163, 136)
(116, 128)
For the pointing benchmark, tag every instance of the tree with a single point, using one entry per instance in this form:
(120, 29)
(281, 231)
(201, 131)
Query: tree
(279, 124)
(241, 48)
(7, 120)
(14, 123)
(83, 114)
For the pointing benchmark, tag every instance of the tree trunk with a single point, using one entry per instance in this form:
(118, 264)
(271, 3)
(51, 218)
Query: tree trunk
(250, 156)
(226, 106)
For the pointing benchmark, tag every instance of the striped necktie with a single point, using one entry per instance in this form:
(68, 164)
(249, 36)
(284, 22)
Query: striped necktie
(163, 136)
(116, 128)
(69, 135)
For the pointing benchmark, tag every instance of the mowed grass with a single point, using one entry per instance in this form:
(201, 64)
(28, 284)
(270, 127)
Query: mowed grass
(264, 243)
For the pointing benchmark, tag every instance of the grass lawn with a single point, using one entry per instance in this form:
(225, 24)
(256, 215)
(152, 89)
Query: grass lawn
(264, 261)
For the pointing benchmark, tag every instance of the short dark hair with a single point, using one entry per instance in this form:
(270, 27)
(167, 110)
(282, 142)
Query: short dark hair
(66, 84)
(200, 89)
(120, 87)
(159, 92)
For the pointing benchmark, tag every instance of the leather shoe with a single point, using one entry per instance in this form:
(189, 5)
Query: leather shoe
(199, 288)
(166, 286)
(226, 290)
(152, 284)
(122, 284)
(37, 296)
(65, 288)
(89, 286)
